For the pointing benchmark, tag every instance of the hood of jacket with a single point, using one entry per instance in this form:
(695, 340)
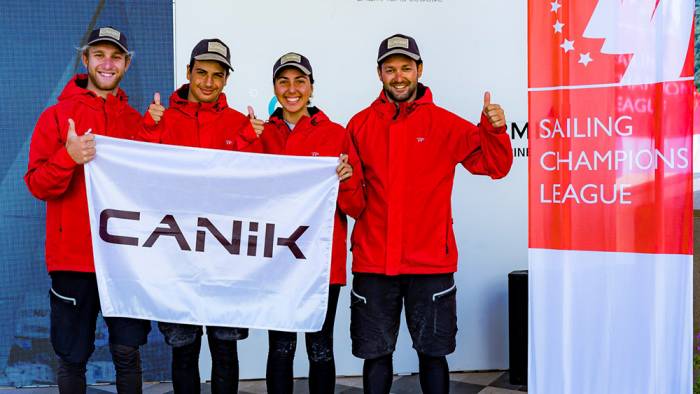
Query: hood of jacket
(76, 88)
(388, 108)
(178, 100)
(315, 118)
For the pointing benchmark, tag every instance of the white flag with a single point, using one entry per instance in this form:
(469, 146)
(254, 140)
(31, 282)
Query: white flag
(205, 236)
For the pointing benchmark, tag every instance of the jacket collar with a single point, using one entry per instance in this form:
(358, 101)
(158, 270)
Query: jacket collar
(385, 107)
(316, 117)
(178, 100)
(76, 88)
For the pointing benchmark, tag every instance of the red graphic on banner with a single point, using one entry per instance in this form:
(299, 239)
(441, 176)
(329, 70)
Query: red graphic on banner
(597, 42)
(610, 159)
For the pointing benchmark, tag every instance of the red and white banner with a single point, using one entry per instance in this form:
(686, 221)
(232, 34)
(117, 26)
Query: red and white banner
(610, 200)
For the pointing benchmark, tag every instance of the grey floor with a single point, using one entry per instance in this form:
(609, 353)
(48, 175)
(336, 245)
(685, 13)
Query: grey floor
(494, 382)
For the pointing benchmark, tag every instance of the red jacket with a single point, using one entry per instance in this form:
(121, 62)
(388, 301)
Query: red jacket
(53, 176)
(408, 155)
(201, 125)
(318, 136)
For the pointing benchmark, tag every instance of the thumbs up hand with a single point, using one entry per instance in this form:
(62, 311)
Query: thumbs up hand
(258, 125)
(80, 148)
(156, 110)
(493, 112)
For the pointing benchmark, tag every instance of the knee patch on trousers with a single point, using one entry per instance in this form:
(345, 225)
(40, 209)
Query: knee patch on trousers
(125, 357)
(284, 348)
(227, 333)
(320, 352)
(179, 335)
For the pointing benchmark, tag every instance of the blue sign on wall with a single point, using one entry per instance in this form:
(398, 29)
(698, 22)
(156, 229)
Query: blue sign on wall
(39, 41)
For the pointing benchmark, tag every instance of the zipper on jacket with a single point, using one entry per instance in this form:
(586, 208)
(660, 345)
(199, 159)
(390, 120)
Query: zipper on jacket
(398, 111)
(104, 110)
(196, 121)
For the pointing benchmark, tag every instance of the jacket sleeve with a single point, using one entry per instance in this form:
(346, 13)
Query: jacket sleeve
(247, 140)
(150, 131)
(351, 194)
(50, 168)
(483, 149)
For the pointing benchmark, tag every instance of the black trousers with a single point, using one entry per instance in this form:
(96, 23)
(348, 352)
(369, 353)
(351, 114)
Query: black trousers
(319, 349)
(75, 305)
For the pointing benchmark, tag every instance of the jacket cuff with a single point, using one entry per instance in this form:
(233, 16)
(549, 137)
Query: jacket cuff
(62, 159)
(248, 134)
(345, 186)
(148, 121)
(486, 125)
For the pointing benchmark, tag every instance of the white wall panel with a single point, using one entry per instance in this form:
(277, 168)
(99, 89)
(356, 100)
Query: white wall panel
(468, 47)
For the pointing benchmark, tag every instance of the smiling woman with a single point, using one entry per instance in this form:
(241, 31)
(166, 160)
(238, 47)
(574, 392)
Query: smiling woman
(293, 90)
(300, 130)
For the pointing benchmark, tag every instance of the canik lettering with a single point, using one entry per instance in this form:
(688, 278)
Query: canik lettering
(169, 227)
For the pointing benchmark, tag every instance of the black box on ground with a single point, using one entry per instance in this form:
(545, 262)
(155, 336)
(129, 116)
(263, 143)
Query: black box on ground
(517, 326)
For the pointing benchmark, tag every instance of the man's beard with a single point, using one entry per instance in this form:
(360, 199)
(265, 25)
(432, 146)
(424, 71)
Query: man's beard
(402, 98)
(94, 79)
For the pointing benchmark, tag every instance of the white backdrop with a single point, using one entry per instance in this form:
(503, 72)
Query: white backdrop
(468, 47)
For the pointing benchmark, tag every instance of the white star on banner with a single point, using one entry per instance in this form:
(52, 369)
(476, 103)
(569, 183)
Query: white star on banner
(567, 45)
(557, 26)
(555, 5)
(585, 58)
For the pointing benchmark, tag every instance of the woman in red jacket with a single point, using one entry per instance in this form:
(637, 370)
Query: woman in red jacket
(301, 130)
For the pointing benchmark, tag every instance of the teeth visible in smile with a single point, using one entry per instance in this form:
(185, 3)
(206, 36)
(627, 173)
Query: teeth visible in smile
(107, 75)
(292, 99)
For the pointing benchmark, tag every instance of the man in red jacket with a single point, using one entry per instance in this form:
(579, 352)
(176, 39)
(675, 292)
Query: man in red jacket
(199, 116)
(404, 250)
(62, 142)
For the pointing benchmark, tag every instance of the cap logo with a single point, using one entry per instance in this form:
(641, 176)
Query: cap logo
(397, 42)
(109, 32)
(290, 57)
(217, 47)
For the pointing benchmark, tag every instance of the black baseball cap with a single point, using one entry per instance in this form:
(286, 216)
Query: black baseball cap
(399, 44)
(212, 49)
(293, 59)
(109, 34)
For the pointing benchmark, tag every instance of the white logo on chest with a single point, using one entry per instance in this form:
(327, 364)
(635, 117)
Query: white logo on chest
(420, 139)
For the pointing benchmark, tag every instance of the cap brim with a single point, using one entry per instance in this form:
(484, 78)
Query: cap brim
(215, 57)
(109, 39)
(399, 52)
(298, 66)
